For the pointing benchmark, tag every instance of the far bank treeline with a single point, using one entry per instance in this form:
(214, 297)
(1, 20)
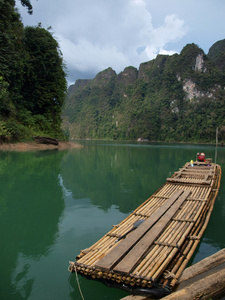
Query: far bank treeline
(171, 98)
(32, 78)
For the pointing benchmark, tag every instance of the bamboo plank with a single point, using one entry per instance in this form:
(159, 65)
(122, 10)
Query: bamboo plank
(142, 246)
(124, 246)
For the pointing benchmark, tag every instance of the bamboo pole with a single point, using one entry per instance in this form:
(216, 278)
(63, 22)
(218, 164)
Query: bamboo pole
(153, 260)
(193, 246)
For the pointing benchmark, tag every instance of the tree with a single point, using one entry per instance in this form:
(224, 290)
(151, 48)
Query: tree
(44, 85)
(28, 5)
(11, 57)
(32, 76)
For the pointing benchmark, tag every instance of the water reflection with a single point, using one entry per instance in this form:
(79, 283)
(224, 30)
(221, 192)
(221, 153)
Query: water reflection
(121, 176)
(31, 203)
(53, 204)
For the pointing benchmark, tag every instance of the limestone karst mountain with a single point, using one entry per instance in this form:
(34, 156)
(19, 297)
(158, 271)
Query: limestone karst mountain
(170, 98)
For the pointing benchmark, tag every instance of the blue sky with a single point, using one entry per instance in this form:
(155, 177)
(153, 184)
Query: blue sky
(96, 34)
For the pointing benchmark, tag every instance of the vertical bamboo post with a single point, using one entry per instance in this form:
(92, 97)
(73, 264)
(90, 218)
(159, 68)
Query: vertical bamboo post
(216, 143)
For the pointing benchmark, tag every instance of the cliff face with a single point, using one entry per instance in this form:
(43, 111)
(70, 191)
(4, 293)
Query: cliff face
(156, 102)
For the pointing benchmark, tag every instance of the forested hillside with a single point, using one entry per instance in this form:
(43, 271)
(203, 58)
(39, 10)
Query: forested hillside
(32, 78)
(171, 98)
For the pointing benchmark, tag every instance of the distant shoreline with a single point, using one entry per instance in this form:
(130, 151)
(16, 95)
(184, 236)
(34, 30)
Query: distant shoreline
(32, 146)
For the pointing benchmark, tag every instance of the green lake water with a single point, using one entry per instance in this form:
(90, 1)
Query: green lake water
(55, 203)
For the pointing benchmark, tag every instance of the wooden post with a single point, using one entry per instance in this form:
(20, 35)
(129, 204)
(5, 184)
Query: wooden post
(216, 144)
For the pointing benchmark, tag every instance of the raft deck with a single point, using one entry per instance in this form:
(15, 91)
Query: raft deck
(148, 257)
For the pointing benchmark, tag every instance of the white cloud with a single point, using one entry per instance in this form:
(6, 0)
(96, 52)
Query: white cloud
(139, 2)
(86, 56)
(94, 35)
(172, 30)
(114, 40)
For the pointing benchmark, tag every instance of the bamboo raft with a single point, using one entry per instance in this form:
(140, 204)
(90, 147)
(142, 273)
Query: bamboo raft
(148, 259)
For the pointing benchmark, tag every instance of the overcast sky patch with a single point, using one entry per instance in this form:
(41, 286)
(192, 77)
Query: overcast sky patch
(96, 34)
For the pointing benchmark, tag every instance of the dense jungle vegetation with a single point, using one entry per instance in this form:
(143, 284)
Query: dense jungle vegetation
(32, 78)
(171, 98)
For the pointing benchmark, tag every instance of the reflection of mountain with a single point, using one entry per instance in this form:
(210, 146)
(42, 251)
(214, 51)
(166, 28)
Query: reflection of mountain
(106, 175)
(30, 206)
(123, 175)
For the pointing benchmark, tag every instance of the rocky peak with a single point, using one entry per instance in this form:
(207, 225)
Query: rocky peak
(128, 76)
(217, 54)
(152, 68)
(79, 84)
(104, 76)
